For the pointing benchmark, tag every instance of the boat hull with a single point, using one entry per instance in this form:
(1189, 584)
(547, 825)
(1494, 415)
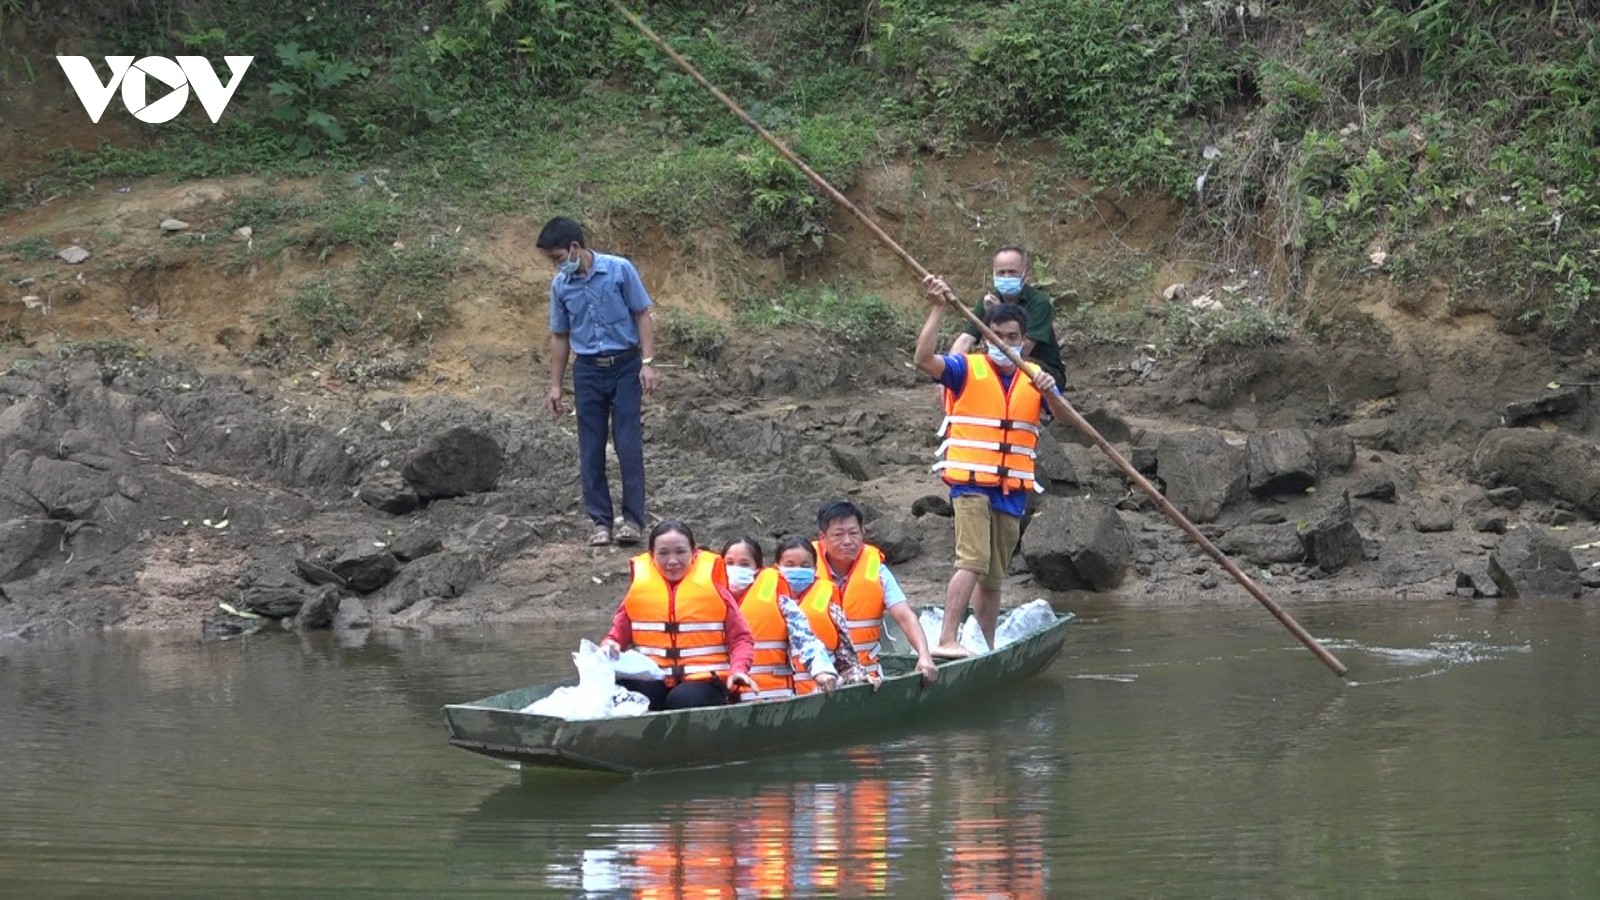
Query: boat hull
(708, 736)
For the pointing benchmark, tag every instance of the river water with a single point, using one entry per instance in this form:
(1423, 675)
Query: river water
(1196, 752)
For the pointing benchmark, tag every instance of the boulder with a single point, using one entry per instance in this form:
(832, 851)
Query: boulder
(1333, 542)
(1076, 543)
(460, 461)
(1264, 544)
(276, 595)
(1505, 497)
(1376, 486)
(1111, 426)
(1534, 562)
(1433, 518)
(1281, 462)
(854, 462)
(1202, 471)
(365, 569)
(1545, 465)
(390, 492)
(898, 538)
(1335, 451)
(351, 614)
(932, 504)
(1490, 523)
(1052, 466)
(1557, 403)
(320, 610)
(1473, 582)
(415, 545)
(28, 545)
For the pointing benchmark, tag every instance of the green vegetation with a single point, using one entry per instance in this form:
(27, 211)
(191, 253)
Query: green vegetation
(1433, 142)
(837, 313)
(32, 248)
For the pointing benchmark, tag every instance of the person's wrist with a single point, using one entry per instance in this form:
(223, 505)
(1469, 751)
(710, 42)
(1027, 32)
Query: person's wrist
(648, 361)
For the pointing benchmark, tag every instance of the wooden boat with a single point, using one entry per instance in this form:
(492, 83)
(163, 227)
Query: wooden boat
(708, 736)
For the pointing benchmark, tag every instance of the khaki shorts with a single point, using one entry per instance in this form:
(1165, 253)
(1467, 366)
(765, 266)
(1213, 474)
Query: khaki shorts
(985, 539)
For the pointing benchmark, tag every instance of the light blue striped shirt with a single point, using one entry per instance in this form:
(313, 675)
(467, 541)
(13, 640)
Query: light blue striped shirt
(596, 310)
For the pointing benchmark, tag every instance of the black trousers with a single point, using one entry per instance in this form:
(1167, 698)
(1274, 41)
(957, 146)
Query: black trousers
(683, 695)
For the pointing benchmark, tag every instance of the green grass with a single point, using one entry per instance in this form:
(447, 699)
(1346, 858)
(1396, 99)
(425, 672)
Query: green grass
(32, 248)
(836, 313)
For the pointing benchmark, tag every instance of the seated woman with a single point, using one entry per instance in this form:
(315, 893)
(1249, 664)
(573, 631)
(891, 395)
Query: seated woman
(819, 602)
(679, 612)
(789, 659)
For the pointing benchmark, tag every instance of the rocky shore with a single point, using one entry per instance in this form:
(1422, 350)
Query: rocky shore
(143, 493)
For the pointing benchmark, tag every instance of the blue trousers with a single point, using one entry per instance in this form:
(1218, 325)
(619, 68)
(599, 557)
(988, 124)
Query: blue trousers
(609, 399)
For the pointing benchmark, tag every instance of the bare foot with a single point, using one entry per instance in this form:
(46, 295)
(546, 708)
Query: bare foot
(950, 651)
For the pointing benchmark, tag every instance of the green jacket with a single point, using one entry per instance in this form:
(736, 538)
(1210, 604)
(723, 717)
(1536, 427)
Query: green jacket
(1041, 329)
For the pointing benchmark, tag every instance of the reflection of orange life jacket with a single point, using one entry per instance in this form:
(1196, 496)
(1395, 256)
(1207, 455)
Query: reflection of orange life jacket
(863, 602)
(766, 860)
(771, 668)
(990, 434)
(694, 864)
(680, 625)
(815, 605)
(866, 873)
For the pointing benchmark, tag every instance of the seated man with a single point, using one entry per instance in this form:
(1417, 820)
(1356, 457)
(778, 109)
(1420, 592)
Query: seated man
(1039, 343)
(868, 590)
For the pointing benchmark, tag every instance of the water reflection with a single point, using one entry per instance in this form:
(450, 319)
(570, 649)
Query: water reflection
(924, 817)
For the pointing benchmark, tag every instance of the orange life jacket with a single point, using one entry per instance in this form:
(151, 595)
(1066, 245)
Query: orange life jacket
(815, 604)
(862, 602)
(990, 435)
(770, 667)
(680, 625)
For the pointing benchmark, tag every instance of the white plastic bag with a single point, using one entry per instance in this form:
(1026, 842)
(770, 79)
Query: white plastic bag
(1035, 615)
(633, 664)
(1013, 625)
(969, 636)
(591, 698)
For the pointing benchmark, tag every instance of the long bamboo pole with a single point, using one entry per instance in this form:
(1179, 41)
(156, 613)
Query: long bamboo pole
(1058, 404)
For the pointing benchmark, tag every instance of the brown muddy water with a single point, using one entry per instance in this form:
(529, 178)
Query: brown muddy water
(1195, 752)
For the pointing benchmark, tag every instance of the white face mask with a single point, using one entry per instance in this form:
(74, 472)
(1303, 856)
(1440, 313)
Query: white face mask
(740, 577)
(999, 358)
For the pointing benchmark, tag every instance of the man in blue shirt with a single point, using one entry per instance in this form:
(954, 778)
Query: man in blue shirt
(990, 431)
(600, 313)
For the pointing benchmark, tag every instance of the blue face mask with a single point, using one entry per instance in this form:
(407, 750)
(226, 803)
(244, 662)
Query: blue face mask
(569, 266)
(800, 580)
(740, 577)
(1007, 287)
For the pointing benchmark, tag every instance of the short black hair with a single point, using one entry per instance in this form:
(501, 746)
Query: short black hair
(795, 542)
(560, 232)
(668, 526)
(838, 510)
(748, 541)
(1006, 312)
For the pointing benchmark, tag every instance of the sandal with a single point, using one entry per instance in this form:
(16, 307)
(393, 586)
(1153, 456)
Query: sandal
(601, 536)
(628, 533)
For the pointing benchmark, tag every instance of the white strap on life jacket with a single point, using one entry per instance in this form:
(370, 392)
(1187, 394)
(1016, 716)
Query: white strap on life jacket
(683, 652)
(863, 623)
(702, 669)
(869, 647)
(954, 465)
(681, 628)
(1003, 424)
(771, 670)
(986, 445)
(772, 645)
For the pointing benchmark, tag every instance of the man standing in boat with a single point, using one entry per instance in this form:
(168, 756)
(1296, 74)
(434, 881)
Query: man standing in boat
(990, 431)
(866, 588)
